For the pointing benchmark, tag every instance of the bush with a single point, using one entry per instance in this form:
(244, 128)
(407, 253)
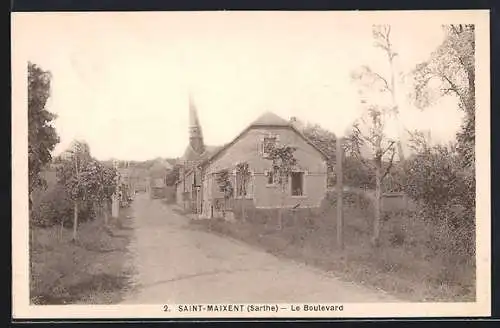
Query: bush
(356, 174)
(446, 194)
(435, 179)
(54, 205)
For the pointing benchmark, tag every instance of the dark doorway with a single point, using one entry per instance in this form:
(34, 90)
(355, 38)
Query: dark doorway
(297, 183)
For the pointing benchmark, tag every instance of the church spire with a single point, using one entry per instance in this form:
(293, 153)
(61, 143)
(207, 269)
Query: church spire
(195, 134)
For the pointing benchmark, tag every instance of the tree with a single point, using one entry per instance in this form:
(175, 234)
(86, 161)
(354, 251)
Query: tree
(243, 176)
(375, 81)
(326, 141)
(354, 173)
(283, 164)
(225, 186)
(371, 128)
(100, 183)
(42, 137)
(383, 150)
(450, 70)
(74, 177)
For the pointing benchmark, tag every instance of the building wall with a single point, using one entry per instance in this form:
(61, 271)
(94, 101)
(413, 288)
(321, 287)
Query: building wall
(247, 148)
(185, 187)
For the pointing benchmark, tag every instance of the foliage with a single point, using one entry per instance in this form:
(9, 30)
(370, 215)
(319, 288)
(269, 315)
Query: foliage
(445, 192)
(323, 139)
(243, 174)
(54, 207)
(283, 163)
(85, 179)
(42, 137)
(355, 174)
(173, 175)
(69, 172)
(450, 70)
(100, 181)
(372, 128)
(224, 183)
(435, 178)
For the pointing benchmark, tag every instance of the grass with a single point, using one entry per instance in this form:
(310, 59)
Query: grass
(93, 270)
(404, 265)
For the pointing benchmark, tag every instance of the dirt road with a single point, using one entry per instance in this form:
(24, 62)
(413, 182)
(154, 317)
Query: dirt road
(177, 264)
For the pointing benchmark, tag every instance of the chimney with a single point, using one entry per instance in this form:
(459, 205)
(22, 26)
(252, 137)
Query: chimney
(295, 123)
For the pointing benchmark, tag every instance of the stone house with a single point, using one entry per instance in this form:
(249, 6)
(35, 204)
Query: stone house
(198, 190)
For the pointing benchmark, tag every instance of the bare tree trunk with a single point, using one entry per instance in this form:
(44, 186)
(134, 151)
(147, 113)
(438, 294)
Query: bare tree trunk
(106, 214)
(377, 205)
(400, 151)
(280, 212)
(243, 212)
(395, 104)
(75, 220)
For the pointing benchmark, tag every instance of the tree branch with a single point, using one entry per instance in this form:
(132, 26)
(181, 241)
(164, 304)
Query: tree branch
(388, 169)
(363, 161)
(454, 88)
(386, 84)
(388, 147)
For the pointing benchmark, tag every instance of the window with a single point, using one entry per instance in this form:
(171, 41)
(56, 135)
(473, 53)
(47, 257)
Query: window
(270, 177)
(297, 183)
(268, 144)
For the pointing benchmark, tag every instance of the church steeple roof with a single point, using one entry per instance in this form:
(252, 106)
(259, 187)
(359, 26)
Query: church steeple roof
(196, 145)
(193, 114)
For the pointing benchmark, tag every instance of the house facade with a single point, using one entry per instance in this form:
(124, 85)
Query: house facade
(198, 188)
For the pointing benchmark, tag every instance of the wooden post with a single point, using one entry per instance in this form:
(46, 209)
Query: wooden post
(340, 191)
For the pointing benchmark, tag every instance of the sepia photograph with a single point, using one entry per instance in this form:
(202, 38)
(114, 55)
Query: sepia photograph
(251, 164)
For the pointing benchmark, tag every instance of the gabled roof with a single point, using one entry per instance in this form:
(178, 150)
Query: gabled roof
(267, 119)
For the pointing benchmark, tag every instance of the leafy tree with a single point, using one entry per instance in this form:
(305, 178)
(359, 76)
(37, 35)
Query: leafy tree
(322, 138)
(73, 176)
(42, 137)
(283, 163)
(243, 175)
(355, 174)
(326, 141)
(100, 182)
(223, 181)
(450, 70)
(88, 183)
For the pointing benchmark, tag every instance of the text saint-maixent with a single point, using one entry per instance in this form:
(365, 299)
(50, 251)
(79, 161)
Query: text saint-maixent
(225, 308)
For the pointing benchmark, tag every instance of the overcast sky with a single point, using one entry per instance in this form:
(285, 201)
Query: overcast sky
(121, 80)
